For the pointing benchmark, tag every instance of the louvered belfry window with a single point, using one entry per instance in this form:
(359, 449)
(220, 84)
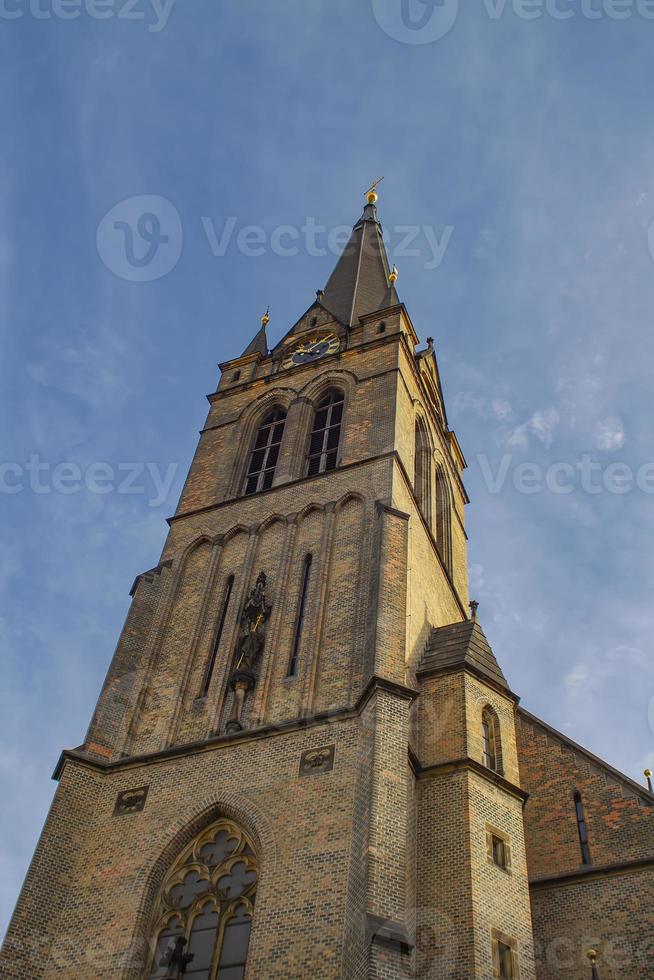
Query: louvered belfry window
(326, 434)
(263, 460)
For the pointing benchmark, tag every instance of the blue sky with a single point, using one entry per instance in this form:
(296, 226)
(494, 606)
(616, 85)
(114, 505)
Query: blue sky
(524, 145)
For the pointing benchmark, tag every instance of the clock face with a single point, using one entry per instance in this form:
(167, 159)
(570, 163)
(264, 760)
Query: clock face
(311, 348)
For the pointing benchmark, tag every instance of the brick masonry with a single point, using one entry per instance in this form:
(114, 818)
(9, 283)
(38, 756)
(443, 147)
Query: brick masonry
(376, 865)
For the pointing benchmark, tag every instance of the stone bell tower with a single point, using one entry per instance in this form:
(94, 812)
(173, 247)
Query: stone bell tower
(303, 760)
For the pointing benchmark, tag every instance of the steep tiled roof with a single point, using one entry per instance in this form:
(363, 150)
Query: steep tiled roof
(461, 645)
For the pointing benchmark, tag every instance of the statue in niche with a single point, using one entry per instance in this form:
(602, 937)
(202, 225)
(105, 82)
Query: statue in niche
(252, 635)
(252, 628)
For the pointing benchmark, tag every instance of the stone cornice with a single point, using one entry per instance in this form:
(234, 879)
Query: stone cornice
(455, 765)
(284, 486)
(467, 668)
(80, 756)
(591, 873)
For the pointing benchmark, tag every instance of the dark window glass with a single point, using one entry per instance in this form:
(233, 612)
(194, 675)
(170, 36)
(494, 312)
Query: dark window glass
(233, 954)
(219, 849)
(499, 855)
(261, 470)
(184, 894)
(297, 637)
(326, 434)
(201, 944)
(219, 633)
(423, 466)
(491, 746)
(505, 956)
(199, 885)
(583, 830)
(165, 946)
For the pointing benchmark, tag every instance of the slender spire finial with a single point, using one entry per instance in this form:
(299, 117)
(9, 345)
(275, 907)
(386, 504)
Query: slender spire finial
(393, 275)
(371, 193)
(648, 777)
(265, 319)
(474, 606)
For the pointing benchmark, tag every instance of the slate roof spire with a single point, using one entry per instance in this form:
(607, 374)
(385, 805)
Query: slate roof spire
(259, 343)
(362, 280)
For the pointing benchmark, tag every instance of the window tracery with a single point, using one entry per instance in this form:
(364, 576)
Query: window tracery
(205, 908)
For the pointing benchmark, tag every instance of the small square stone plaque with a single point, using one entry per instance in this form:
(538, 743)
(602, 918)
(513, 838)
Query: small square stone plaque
(313, 762)
(131, 800)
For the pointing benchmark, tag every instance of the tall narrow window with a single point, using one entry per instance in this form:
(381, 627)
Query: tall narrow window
(205, 909)
(505, 958)
(422, 470)
(326, 434)
(583, 830)
(299, 623)
(505, 955)
(263, 460)
(218, 637)
(491, 743)
(443, 518)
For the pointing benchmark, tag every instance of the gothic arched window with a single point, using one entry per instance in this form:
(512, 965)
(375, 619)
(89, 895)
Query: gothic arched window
(263, 458)
(422, 470)
(204, 912)
(491, 741)
(326, 433)
(443, 518)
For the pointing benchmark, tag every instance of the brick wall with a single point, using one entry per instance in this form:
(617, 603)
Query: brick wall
(607, 904)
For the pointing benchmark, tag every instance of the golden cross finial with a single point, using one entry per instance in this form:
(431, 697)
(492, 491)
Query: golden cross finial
(265, 319)
(371, 193)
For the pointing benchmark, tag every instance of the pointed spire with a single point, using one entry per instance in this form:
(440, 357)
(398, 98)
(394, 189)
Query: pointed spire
(259, 343)
(362, 280)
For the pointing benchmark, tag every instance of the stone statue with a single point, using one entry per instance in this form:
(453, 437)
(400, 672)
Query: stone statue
(176, 960)
(252, 629)
(251, 639)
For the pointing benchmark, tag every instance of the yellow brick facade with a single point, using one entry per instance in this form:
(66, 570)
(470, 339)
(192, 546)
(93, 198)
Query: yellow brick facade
(377, 867)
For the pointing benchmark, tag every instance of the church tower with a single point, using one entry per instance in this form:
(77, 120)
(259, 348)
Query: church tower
(303, 761)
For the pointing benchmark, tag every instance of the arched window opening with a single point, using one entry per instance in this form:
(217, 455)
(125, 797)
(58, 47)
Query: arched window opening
(263, 460)
(491, 742)
(422, 470)
(326, 434)
(219, 632)
(582, 829)
(204, 911)
(299, 622)
(443, 519)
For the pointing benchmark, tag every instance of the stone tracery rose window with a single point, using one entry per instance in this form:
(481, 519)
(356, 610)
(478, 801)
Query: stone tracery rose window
(205, 908)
